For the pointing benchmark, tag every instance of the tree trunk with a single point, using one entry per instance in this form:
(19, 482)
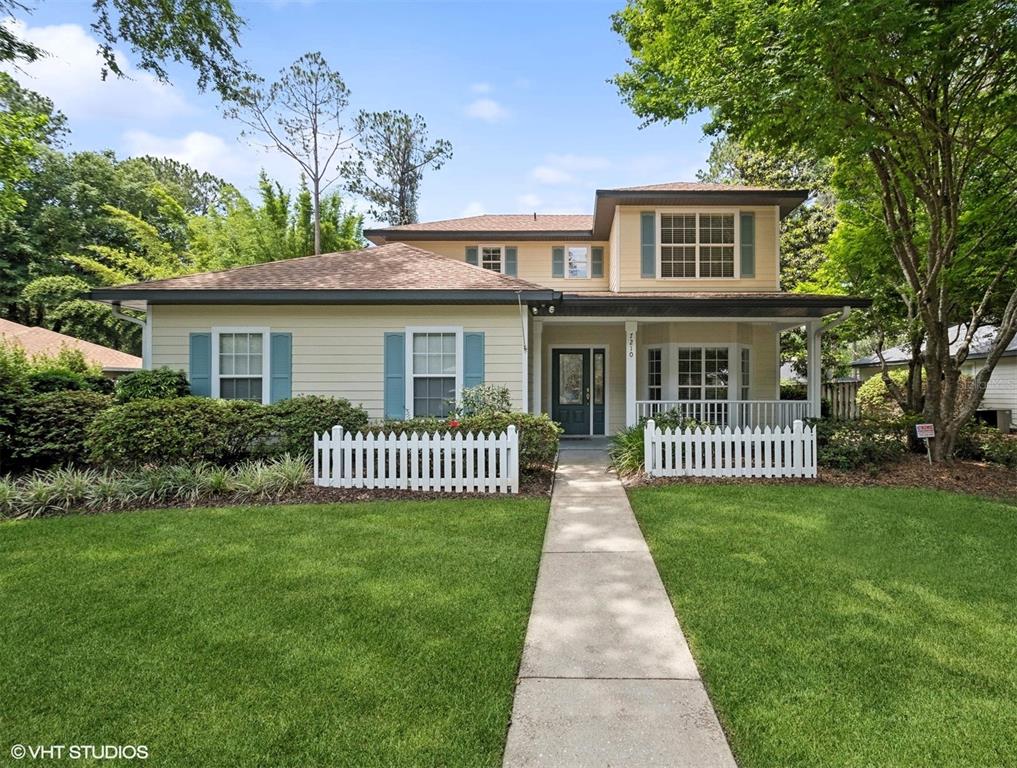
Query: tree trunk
(317, 217)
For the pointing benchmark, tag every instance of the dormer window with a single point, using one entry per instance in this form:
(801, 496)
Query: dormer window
(697, 245)
(491, 257)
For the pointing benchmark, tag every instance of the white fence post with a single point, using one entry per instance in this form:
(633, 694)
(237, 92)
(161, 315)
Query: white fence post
(428, 462)
(649, 431)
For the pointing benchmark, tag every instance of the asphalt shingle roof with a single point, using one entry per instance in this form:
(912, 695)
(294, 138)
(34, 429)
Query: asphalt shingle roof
(42, 341)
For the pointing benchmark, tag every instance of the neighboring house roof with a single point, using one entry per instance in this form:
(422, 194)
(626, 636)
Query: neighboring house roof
(394, 273)
(42, 341)
(555, 226)
(979, 348)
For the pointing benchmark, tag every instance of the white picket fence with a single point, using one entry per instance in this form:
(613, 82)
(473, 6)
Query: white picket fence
(717, 452)
(456, 463)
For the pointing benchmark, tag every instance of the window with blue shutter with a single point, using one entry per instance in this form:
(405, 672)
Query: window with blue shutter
(648, 244)
(395, 375)
(199, 365)
(471, 255)
(280, 367)
(473, 359)
(748, 244)
(511, 261)
(597, 262)
(558, 261)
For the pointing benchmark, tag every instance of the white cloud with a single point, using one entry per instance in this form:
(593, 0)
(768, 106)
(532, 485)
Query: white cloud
(70, 75)
(481, 88)
(487, 110)
(529, 200)
(474, 208)
(547, 174)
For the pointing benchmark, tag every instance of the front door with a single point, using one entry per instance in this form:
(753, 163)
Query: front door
(577, 390)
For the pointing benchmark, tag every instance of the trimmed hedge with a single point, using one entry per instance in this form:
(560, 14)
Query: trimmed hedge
(51, 427)
(161, 383)
(538, 435)
(197, 429)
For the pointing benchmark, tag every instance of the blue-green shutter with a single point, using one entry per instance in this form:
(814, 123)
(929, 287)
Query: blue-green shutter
(199, 366)
(395, 375)
(473, 359)
(471, 255)
(648, 244)
(511, 262)
(597, 261)
(748, 255)
(558, 261)
(280, 367)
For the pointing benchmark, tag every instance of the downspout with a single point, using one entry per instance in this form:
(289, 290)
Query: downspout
(146, 329)
(845, 312)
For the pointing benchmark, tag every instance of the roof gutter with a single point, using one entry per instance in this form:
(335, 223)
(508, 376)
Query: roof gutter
(289, 296)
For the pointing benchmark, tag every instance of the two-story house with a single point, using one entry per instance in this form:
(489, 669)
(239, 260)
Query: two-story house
(667, 296)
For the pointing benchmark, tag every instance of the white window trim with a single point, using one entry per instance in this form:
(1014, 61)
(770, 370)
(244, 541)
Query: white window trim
(589, 261)
(410, 331)
(698, 211)
(501, 258)
(266, 352)
(742, 349)
(734, 367)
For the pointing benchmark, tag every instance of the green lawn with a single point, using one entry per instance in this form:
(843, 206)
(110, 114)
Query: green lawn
(374, 634)
(846, 627)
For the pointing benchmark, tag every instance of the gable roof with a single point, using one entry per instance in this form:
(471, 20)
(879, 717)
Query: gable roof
(387, 274)
(979, 347)
(564, 226)
(35, 340)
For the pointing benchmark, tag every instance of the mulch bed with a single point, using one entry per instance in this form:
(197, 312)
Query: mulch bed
(973, 477)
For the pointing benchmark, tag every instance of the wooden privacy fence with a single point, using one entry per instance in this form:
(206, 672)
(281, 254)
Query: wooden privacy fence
(726, 452)
(842, 397)
(455, 463)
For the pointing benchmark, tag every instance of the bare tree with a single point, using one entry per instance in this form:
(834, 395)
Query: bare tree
(302, 115)
(388, 166)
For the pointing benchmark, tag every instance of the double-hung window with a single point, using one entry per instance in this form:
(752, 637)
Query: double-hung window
(241, 358)
(577, 261)
(434, 367)
(702, 373)
(491, 257)
(697, 245)
(746, 374)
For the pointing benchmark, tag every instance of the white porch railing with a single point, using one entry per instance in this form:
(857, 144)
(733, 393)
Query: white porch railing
(425, 462)
(726, 452)
(729, 413)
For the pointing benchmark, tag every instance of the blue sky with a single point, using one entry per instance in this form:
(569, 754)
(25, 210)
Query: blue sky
(520, 89)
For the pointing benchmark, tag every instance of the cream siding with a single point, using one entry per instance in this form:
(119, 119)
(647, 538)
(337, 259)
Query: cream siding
(338, 350)
(767, 268)
(534, 260)
(1001, 391)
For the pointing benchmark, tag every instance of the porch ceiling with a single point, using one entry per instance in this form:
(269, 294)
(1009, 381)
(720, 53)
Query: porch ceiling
(686, 304)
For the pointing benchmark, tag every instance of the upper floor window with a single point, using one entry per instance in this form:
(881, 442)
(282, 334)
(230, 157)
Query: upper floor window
(697, 245)
(491, 257)
(578, 264)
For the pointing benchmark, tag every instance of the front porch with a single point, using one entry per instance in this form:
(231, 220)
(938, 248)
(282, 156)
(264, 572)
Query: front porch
(599, 375)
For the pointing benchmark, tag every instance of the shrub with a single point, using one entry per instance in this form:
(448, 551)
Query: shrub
(294, 422)
(983, 443)
(874, 399)
(627, 454)
(51, 427)
(13, 391)
(538, 435)
(485, 399)
(177, 430)
(793, 390)
(157, 384)
(56, 380)
(60, 491)
(854, 444)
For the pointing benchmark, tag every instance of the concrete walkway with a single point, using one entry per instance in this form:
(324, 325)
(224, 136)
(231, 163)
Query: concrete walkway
(606, 677)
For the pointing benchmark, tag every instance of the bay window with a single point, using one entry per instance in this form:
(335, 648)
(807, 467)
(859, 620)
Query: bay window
(702, 373)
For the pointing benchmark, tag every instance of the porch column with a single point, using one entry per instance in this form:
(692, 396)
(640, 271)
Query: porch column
(537, 350)
(630, 373)
(814, 365)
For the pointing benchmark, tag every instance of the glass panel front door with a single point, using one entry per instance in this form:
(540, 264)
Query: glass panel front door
(578, 390)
